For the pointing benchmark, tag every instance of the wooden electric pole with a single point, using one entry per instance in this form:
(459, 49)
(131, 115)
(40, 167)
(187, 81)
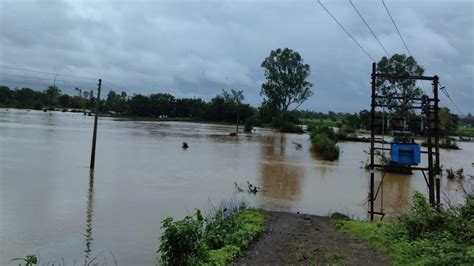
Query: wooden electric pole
(94, 135)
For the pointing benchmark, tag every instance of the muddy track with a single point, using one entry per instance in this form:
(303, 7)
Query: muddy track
(306, 239)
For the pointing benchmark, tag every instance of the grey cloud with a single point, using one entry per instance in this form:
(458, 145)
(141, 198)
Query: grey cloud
(198, 48)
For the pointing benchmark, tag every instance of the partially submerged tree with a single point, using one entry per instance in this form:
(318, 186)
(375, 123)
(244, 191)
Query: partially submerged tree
(286, 82)
(235, 97)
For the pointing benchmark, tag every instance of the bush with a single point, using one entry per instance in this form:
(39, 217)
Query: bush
(451, 174)
(253, 121)
(424, 236)
(325, 146)
(214, 240)
(328, 131)
(291, 128)
(445, 143)
(182, 241)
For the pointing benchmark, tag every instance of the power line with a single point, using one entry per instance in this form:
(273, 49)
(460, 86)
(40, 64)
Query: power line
(370, 29)
(394, 24)
(344, 29)
(48, 79)
(34, 83)
(401, 38)
(47, 73)
(116, 86)
(445, 92)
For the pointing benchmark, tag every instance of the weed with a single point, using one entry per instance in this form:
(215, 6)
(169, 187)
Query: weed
(215, 239)
(29, 260)
(424, 236)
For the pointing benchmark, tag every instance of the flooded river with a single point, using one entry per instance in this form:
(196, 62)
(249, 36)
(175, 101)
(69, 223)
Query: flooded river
(51, 206)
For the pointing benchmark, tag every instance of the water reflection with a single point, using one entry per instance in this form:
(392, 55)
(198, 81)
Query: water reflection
(279, 178)
(394, 193)
(90, 213)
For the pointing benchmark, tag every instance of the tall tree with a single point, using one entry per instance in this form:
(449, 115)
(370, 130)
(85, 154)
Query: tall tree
(235, 97)
(286, 82)
(404, 89)
(448, 122)
(399, 65)
(53, 93)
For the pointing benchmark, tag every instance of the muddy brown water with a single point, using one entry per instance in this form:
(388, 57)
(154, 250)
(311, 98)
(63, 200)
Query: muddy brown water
(49, 207)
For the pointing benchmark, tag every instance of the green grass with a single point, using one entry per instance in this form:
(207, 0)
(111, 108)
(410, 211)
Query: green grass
(390, 238)
(317, 122)
(422, 237)
(465, 132)
(251, 222)
(334, 257)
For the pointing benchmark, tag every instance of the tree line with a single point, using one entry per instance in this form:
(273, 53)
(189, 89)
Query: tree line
(221, 108)
(285, 88)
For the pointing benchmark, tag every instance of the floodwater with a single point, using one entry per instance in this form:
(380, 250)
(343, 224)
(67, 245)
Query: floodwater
(51, 205)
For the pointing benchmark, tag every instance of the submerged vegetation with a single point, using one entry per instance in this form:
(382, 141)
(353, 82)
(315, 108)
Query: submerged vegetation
(29, 260)
(324, 143)
(452, 174)
(445, 143)
(213, 239)
(423, 236)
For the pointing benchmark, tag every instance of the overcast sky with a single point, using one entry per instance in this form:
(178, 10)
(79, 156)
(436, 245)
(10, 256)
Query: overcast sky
(197, 48)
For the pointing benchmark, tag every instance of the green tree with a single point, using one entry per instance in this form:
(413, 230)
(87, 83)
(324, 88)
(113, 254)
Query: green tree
(64, 100)
(404, 89)
(140, 105)
(163, 104)
(399, 65)
(448, 122)
(112, 101)
(235, 97)
(53, 94)
(351, 122)
(79, 101)
(6, 96)
(286, 82)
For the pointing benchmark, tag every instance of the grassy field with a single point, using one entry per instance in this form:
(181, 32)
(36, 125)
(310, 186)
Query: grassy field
(465, 132)
(325, 122)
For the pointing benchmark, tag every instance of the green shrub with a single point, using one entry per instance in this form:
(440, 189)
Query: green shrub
(445, 143)
(29, 260)
(328, 131)
(182, 241)
(214, 240)
(325, 146)
(422, 218)
(291, 128)
(424, 236)
(223, 255)
(251, 122)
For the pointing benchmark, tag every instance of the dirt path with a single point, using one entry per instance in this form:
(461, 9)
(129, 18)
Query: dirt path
(306, 239)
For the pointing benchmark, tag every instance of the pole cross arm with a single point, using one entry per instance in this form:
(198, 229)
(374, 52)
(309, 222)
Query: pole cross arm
(389, 76)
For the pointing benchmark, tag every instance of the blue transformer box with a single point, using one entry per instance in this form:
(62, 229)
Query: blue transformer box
(405, 153)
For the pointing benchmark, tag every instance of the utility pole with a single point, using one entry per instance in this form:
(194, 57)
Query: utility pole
(437, 171)
(94, 135)
(372, 144)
